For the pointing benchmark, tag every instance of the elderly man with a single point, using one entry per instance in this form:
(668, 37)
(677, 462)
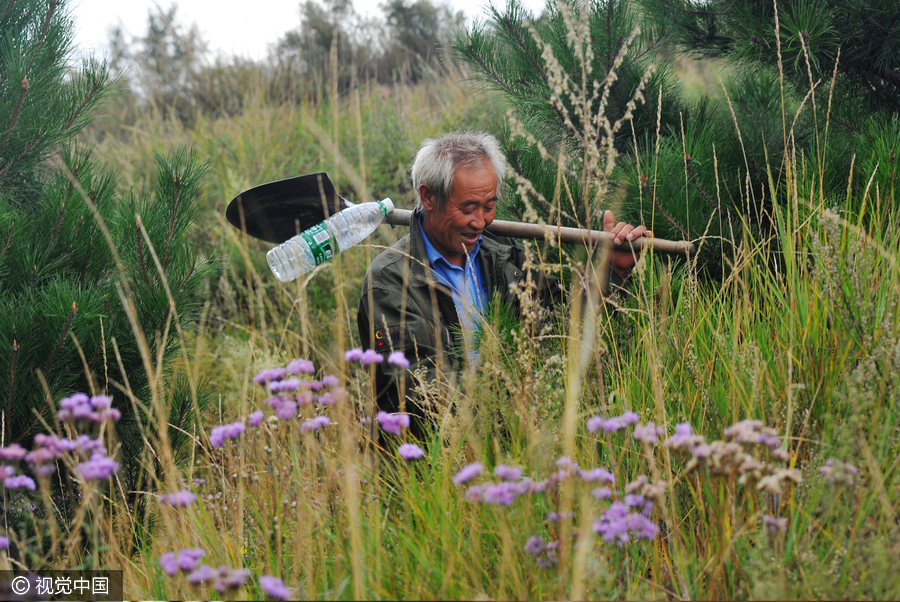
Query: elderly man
(433, 286)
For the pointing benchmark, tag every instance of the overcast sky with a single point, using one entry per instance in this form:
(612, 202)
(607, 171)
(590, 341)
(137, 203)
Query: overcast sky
(244, 28)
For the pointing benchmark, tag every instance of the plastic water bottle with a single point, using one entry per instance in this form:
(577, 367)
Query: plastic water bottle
(349, 227)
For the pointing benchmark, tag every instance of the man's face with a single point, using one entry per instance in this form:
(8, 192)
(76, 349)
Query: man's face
(455, 230)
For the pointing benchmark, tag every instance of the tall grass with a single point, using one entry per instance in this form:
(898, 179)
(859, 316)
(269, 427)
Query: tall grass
(802, 333)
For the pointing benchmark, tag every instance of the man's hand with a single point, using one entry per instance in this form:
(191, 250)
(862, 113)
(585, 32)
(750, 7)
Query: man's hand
(623, 261)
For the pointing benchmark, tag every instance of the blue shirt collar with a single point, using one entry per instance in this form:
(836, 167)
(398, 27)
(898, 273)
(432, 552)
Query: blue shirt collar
(434, 256)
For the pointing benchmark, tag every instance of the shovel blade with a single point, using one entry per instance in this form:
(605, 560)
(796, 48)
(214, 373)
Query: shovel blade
(277, 211)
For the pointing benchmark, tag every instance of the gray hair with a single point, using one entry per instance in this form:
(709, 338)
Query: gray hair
(439, 158)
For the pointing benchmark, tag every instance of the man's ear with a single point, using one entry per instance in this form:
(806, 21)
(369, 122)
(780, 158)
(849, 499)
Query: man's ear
(427, 197)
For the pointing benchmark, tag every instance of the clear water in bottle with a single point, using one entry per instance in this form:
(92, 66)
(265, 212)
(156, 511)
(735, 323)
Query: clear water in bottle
(344, 229)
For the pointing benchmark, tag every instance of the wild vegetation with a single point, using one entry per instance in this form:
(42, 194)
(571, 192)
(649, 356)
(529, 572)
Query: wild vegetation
(727, 427)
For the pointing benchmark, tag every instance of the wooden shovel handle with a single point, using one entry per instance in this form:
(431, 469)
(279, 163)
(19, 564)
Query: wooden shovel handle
(575, 236)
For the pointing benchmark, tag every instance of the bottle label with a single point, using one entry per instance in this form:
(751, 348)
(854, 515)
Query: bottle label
(320, 242)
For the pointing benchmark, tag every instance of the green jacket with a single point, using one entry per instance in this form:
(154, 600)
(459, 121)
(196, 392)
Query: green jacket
(402, 306)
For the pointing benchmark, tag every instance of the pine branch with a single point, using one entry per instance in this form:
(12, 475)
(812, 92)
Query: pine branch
(172, 222)
(28, 147)
(23, 91)
(8, 239)
(140, 246)
(61, 340)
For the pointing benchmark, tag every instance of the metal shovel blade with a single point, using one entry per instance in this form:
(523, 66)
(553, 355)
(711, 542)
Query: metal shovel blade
(277, 211)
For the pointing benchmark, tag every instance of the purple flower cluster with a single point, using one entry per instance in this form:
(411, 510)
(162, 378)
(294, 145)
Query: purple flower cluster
(544, 552)
(595, 475)
(467, 473)
(256, 418)
(398, 358)
(751, 432)
(301, 366)
(648, 433)
(366, 358)
(268, 375)
(99, 467)
(223, 578)
(275, 588)
(186, 561)
(179, 499)
(19, 482)
(393, 423)
(225, 431)
(81, 407)
(775, 525)
(684, 438)
(613, 424)
(839, 473)
(315, 424)
(618, 523)
(410, 451)
(503, 493)
(4, 542)
(507, 473)
(12, 453)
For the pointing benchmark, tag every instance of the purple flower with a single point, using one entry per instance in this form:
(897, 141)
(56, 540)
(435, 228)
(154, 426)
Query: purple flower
(275, 588)
(393, 423)
(370, 356)
(619, 422)
(398, 358)
(12, 453)
(179, 499)
(168, 563)
(329, 380)
(602, 493)
(301, 367)
(684, 438)
(648, 434)
(286, 410)
(20, 481)
(219, 433)
(503, 493)
(315, 424)
(98, 468)
(305, 398)
(596, 474)
(269, 374)
(745, 431)
(101, 402)
(410, 451)
(619, 525)
(775, 525)
(632, 500)
(474, 493)
(202, 574)
(327, 399)
(507, 473)
(595, 424)
(545, 553)
(256, 418)
(4, 542)
(468, 473)
(6, 471)
(230, 579)
(354, 355)
(315, 386)
(291, 384)
(189, 559)
(839, 473)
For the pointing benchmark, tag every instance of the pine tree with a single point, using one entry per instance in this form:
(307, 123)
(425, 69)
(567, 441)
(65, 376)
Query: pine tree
(707, 166)
(65, 295)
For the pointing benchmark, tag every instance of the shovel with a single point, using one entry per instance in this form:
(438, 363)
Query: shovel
(277, 211)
